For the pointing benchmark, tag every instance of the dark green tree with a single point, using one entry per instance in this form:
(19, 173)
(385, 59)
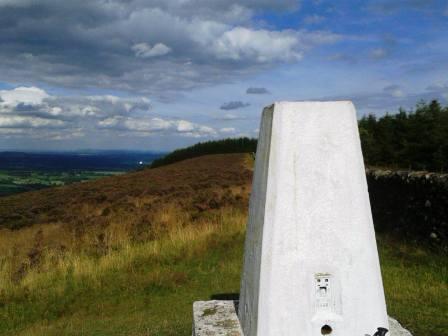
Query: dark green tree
(415, 139)
(239, 145)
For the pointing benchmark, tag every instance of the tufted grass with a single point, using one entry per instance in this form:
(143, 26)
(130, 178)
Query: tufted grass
(134, 289)
(416, 286)
(148, 288)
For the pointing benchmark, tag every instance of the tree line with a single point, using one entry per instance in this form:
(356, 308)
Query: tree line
(416, 139)
(239, 145)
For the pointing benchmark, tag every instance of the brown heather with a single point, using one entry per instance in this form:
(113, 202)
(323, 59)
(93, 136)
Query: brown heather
(127, 255)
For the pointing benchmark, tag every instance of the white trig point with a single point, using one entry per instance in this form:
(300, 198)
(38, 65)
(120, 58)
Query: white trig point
(311, 263)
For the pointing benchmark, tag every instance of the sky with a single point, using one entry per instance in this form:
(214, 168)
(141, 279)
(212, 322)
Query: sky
(163, 74)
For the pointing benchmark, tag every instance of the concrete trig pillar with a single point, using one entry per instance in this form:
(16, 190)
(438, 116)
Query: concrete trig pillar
(311, 262)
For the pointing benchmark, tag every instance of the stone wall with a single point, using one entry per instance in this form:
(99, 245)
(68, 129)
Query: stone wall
(413, 205)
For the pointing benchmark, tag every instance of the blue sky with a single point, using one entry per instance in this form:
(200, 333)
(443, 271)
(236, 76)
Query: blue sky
(157, 75)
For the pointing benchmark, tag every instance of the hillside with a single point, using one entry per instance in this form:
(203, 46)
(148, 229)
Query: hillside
(194, 185)
(225, 146)
(127, 255)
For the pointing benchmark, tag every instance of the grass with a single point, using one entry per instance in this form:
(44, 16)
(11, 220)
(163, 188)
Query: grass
(416, 286)
(134, 289)
(148, 288)
(137, 269)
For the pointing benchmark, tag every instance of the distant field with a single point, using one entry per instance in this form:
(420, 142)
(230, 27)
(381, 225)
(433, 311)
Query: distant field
(20, 172)
(12, 182)
(128, 254)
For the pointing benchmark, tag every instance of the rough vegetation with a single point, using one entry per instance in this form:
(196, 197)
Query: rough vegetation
(194, 186)
(239, 145)
(127, 255)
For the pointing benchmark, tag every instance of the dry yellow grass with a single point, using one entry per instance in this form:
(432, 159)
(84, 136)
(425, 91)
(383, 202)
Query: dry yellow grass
(63, 279)
(174, 234)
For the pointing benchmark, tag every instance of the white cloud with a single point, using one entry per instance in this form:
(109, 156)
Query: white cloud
(122, 36)
(145, 126)
(394, 91)
(206, 130)
(105, 98)
(9, 99)
(260, 46)
(108, 122)
(106, 105)
(185, 126)
(35, 102)
(244, 44)
(11, 131)
(32, 113)
(227, 130)
(8, 121)
(77, 133)
(229, 117)
(28, 102)
(144, 50)
(249, 46)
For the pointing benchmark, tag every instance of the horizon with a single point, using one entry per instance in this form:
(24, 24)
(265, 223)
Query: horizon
(162, 75)
(80, 151)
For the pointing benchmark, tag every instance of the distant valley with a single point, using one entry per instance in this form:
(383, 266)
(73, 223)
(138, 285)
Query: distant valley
(27, 171)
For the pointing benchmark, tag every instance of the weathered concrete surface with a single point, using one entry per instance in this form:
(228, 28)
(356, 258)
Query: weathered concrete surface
(311, 262)
(253, 244)
(396, 329)
(216, 318)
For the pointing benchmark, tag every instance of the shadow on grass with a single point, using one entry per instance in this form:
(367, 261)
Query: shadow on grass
(225, 296)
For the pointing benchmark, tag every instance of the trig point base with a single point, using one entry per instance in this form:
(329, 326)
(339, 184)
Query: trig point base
(218, 318)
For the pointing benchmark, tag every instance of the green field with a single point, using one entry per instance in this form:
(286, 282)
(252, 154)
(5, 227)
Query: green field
(16, 181)
(149, 288)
